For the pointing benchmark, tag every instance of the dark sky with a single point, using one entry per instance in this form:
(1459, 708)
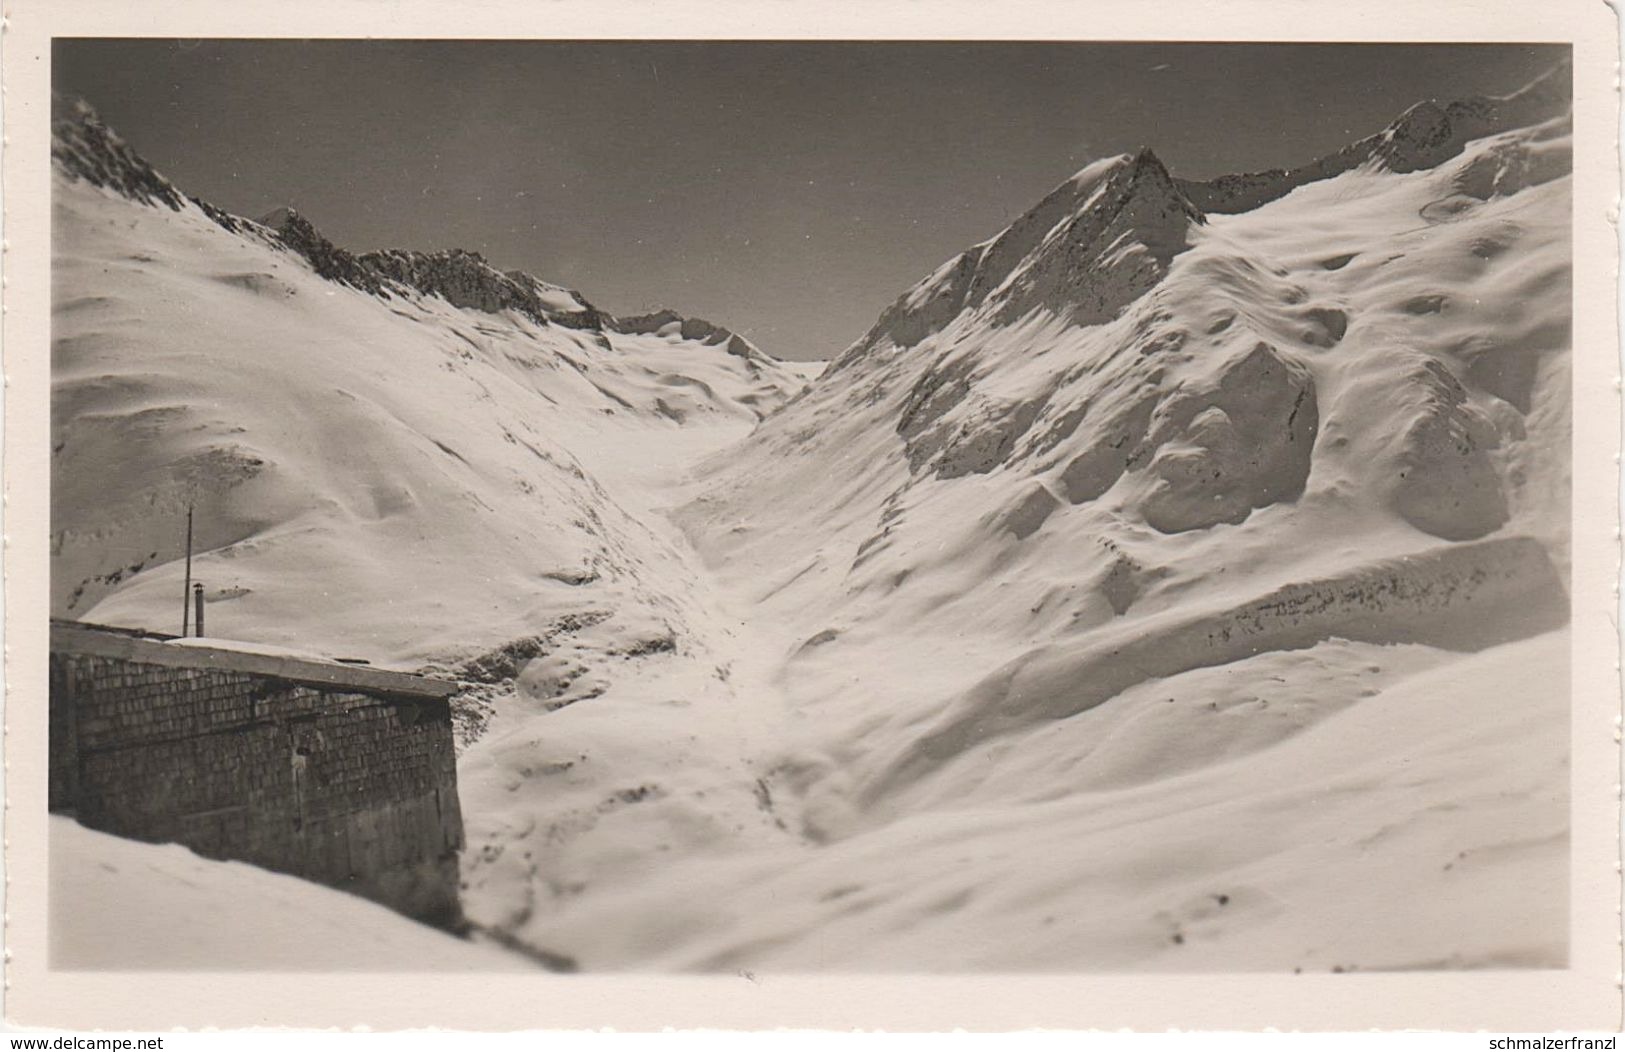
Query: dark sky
(787, 190)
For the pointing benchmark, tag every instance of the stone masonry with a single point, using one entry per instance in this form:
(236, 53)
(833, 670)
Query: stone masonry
(337, 773)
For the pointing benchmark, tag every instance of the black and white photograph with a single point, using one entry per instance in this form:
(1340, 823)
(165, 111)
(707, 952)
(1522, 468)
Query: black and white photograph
(740, 508)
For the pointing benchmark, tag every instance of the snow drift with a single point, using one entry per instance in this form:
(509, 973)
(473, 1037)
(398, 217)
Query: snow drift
(121, 905)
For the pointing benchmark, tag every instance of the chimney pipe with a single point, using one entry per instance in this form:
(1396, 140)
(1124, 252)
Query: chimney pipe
(186, 589)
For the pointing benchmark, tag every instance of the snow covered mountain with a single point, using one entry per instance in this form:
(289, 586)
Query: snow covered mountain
(1098, 242)
(1120, 585)
(1369, 373)
(1176, 580)
(348, 426)
(1424, 136)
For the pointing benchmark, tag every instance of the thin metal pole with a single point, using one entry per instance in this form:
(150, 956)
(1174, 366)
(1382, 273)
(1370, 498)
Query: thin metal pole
(186, 591)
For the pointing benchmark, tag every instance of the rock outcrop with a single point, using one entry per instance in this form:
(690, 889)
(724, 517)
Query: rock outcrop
(1443, 481)
(698, 330)
(465, 279)
(84, 147)
(1240, 444)
(90, 150)
(1424, 136)
(1095, 244)
(328, 260)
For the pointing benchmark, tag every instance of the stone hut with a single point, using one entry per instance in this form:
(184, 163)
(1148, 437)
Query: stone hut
(339, 773)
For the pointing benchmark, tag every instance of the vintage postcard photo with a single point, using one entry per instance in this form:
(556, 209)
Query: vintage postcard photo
(707, 516)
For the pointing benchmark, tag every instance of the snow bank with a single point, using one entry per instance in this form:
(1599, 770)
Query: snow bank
(1464, 597)
(120, 905)
(1378, 837)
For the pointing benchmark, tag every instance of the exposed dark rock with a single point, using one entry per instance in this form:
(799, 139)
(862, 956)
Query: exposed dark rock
(1095, 244)
(584, 316)
(223, 218)
(462, 279)
(1243, 444)
(327, 259)
(88, 149)
(1424, 136)
(1107, 255)
(697, 330)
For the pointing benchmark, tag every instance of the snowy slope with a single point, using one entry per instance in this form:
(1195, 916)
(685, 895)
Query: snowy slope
(1318, 388)
(1159, 584)
(1402, 813)
(120, 905)
(368, 470)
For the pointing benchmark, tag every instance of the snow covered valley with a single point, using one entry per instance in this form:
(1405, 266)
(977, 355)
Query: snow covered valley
(1176, 581)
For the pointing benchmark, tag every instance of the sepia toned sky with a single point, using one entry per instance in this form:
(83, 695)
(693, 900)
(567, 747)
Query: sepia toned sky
(786, 190)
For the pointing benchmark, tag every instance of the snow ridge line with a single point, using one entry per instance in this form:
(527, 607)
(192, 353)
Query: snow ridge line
(85, 148)
(1461, 597)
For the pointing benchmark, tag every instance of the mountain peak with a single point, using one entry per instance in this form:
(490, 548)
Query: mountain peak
(1107, 234)
(1146, 159)
(1425, 135)
(86, 148)
(327, 259)
(1093, 245)
(276, 218)
(464, 278)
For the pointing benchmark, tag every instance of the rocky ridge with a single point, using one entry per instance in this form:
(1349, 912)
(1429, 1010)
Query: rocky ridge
(86, 148)
(1104, 237)
(1424, 136)
(1098, 241)
(83, 145)
(465, 279)
(697, 329)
